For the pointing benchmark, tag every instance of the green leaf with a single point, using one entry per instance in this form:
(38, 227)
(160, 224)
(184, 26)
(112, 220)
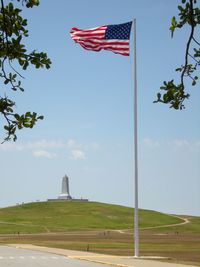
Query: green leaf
(25, 65)
(6, 128)
(6, 81)
(193, 82)
(173, 21)
(159, 96)
(180, 8)
(17, 117)
(40, 117)
(10, 7)
(28, 114)
(13, 54)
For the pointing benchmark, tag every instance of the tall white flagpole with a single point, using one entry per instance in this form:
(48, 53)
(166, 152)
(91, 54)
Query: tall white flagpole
(136, 228)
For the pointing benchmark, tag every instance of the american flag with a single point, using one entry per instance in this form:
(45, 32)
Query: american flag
(114, 38)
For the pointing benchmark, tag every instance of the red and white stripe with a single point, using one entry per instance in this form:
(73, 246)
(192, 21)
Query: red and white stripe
(94, 39)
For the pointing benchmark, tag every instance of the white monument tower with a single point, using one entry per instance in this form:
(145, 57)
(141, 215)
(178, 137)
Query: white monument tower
(65, 189)
(65, 196)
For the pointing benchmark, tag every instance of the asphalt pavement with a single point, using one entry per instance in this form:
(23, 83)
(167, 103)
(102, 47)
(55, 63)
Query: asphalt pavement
(82, 258)
(19, 257)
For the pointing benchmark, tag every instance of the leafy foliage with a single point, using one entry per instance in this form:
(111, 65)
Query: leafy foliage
(12, 50)
(175, 94)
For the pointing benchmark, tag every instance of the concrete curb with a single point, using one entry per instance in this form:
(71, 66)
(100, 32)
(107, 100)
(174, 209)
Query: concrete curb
(101, 262)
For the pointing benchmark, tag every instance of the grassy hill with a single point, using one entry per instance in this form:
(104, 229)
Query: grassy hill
(83, 225)
(42, 217)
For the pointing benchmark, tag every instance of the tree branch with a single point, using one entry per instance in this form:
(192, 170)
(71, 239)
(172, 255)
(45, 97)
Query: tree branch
(195, 40)
(188, 43)
(15, 70)
(198, 62)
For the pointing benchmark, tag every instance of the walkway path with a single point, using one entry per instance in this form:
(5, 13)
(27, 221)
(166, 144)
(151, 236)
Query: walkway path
(129, 231)
(185, 221)
(25, 224)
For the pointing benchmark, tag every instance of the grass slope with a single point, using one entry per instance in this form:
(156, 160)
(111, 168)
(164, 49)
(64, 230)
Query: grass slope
(86, 226)
(68, 216)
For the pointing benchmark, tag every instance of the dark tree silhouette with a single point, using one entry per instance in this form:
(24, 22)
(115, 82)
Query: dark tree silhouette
(173, 93)
(13, 29)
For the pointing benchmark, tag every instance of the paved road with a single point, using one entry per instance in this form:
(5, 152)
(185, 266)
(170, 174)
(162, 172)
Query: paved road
(45, 256)
(16, 257)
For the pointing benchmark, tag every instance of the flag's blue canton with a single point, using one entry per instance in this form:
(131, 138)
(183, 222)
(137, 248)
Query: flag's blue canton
(120, 31)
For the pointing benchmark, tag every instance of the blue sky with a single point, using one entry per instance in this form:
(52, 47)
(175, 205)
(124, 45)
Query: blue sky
(87, 100)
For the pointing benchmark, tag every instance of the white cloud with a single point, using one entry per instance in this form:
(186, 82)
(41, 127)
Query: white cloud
(51, 148)
(182, 143)
(150, 142)
(174, 144)
(95, 146)
(77, 154)
(10, 146)
(197, 144)
(40, 144)
(186, 144)
(43, 154)
(71, 143)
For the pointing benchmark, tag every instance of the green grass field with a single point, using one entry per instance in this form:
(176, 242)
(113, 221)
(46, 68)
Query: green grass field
(79, 225)
(68, 216)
